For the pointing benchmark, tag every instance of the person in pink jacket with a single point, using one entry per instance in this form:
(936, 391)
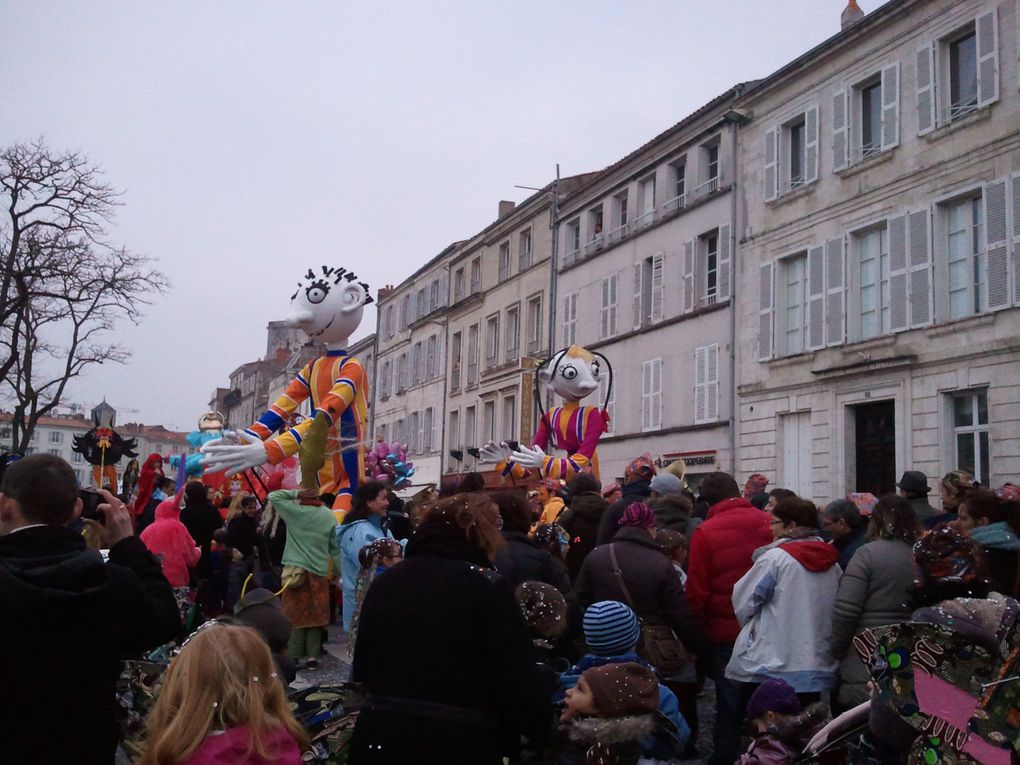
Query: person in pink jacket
(169, 540)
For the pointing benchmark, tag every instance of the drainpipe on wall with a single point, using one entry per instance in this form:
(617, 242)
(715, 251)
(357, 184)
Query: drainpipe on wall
(446, 380)
(554, 224)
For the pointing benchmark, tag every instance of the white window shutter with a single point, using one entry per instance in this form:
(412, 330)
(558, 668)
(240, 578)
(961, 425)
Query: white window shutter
(604, 313)
(816, 297)
(840, 130)
(657, 286)
(688, 277)
(987, 28)
(891, 106)
(898, 273)
(612, 303)
(638, 269)
(725, 262)
(771, 164)
(927, 119)
(811, 145)
(1015, 198)
(607, 399)
(919, 277)
(700, 383)
(656, 403)
(835, 292)
(646, 395)
(766, 299)
(712, 384)
(996, 245)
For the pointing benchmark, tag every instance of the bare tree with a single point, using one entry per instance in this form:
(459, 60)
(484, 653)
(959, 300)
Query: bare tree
(62, 286)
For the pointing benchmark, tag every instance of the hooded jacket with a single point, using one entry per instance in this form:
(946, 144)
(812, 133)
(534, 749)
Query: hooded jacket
(721, 550)
(168, 539)
(784, 741)
(69, 618)
(351, 537)
(231, 747)
(671, 513)
(635, 491)
(521, 561)
(784, 607)
(581, 522)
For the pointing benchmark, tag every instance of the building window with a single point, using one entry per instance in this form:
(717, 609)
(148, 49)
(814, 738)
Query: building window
(488, 421)
(414, 442)
(570, 319)
(679, 198)
(513, 334)
(607, 314)
(510, 418)
(870, 95)
(458, 285)
(504, 261)
(453, 436)
(646, 202)
(651, 395)
(390, 329)
(970, 434)
(384, 383)
(417, 364)
(432, 358)
(795, 145)
(620, 215)
(963, 95)
(595, 226)
(967, 273)
(793, 304)
(706, 383)
(872, 276)
(428, 427)
(648, 285)
(77, 458)
(524, 251)
(607, 400)
(434, 301)
(791, 154)
(710, 257)
(491, 341)
(476, 275)
(469, 427)
(401, 373)
(56, 437)
(535, 324)
(55, 452)
(472, 360)
(573, 237)
(455, 347)
(712, 162)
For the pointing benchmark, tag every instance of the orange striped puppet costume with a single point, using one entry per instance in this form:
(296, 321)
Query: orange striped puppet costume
(573, 374)
(328, 306)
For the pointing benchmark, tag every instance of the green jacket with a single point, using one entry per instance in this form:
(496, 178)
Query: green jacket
(311, 534)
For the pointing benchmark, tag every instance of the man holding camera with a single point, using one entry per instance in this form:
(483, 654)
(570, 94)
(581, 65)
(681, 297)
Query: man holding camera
(69, 617)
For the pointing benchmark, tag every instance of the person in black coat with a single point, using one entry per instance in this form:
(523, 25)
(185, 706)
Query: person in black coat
(581, 520)
(636, 488)
(651, 580)
(468, 688)
(202, 521)
(69, 617)
(520, 560)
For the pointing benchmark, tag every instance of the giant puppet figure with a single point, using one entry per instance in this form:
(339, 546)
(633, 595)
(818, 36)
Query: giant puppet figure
(102, 447)
(328, 306)
(572, 374)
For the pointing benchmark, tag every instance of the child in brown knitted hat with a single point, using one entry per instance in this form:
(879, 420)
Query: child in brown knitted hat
(610, 710)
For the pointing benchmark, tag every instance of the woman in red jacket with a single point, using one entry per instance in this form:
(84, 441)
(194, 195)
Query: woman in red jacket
(169, 540)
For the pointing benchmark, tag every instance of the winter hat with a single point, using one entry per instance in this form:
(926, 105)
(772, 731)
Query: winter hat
(945, 556)
(756, 484)
(1008, 492)
(623, 689)
(610, 628)
(638, 515)
(865, 501)
(543, 607)
(608, 490)
(640, 469)
(666, 483)
(914, 481)
(773, 696)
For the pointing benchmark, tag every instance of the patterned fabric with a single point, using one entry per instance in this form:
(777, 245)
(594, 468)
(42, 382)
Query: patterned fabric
(864, 501)
(329, 714)
(308, 605)
(137, 689)
(640, 469)
(338, 388)
(756, 484)
(575, 429)
(1008, 493)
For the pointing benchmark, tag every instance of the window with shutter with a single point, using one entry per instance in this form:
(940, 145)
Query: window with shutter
(657, 287)
(688, 277)
(700, 383)
(429, 428)
(656, 414)
(835, 291)
(996, 246)
(920, 269)
(925, 79)
(891, 106)
(607, 400)
(570, 319)
(607, 313)
(712, 383)
(765, 311)
(432, 358)
(840, 131)
(898, 273)
(771, 164)
(725, 260)
(513, 331)
(987, 28)
(811, 145)
(415, 434)
(1015, 215)
(816, 297)
(638, 288)
(646, 395)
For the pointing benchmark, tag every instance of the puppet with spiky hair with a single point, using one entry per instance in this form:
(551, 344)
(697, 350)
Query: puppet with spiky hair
(328, 306)
(102, 447)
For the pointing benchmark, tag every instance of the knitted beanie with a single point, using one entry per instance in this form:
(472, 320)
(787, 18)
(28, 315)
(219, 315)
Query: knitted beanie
(666, 483)
(610, 628)
(773, 696)
(638, 515)
(543, 607)
(623, 689)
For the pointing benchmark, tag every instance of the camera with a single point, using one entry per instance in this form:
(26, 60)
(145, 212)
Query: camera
(90, 501)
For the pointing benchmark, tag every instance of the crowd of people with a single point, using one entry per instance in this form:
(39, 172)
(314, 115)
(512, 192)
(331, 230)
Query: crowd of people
(571, 624)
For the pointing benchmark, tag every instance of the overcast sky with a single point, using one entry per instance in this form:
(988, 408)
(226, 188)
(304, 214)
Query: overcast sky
(252, 139)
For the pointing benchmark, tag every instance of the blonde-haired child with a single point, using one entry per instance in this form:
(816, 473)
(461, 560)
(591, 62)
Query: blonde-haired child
(222, 702)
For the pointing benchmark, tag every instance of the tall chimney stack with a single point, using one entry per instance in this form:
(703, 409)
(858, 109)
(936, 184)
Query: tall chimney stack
(851, 15)
(505, 207)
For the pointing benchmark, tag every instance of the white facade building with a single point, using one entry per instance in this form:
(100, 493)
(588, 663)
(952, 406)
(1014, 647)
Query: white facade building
(645, 278)
(878, 257)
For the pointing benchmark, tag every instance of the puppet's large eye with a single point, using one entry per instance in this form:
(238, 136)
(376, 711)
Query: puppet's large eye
(569, 372)
(317, 292)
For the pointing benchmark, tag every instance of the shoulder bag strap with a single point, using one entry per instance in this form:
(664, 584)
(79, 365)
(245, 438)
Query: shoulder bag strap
(619, 576)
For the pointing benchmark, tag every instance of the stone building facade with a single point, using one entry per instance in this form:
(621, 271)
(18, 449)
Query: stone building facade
(877, 280)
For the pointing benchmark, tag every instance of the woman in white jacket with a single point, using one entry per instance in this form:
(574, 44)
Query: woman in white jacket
(784, 607)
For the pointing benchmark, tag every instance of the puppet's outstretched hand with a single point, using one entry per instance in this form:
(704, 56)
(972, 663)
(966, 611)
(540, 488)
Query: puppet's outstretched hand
(529, 456)
(235, 452)
(493, 452)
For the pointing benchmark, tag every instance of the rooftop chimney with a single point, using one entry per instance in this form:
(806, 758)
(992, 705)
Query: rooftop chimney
(851, 15)
(505, 207)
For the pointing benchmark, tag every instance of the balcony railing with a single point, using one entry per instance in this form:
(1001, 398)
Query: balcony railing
(645, 219)
(472, 372)
(708, 187)
(674, 204)
(594, 245)
(619, 232)
(476, 285)
(504, 271)
(955, 111)
(571, 257)
(455, 377)
(524, 260)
